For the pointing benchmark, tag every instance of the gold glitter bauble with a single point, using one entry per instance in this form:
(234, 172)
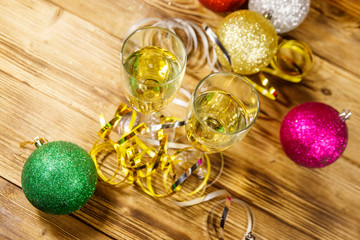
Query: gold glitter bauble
(250, 40)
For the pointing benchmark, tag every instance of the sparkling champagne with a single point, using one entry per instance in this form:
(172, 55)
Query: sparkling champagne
(213, 119)
(154, 78)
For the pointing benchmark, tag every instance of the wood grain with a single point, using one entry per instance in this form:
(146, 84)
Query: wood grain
(19, 220)
(59, 69)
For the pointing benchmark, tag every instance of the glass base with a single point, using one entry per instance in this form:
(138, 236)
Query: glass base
(149, 120)
(177, 109)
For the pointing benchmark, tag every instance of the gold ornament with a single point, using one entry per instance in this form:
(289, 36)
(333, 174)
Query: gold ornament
(249, 38)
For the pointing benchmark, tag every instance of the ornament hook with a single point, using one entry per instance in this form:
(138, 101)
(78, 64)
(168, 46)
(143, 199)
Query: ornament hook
(345, 115)
(40, 141)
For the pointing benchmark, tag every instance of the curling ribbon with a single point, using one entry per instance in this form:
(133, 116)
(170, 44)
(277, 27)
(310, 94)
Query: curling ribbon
(292, 61)
(138, 163)
(133, 169)
(218, 231)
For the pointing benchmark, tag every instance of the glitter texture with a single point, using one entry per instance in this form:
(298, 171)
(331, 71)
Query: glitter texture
(250, 40)
(313, 135)
(286, 15)
(59, 177)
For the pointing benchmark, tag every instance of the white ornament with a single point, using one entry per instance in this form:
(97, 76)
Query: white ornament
(286, 15)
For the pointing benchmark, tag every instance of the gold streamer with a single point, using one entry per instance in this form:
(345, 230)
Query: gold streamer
(137, 162)
(292, 61)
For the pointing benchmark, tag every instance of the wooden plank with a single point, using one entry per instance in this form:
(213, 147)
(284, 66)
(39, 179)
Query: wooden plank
(122, 15)
(351, 7)
(332, 33)
(20, 220)
(59, 69)
(38, 80)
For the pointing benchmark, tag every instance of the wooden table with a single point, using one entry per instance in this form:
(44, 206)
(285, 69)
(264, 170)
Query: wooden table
(59, 69)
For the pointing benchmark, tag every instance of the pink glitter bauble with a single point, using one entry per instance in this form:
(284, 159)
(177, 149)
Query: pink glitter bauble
(313, 135)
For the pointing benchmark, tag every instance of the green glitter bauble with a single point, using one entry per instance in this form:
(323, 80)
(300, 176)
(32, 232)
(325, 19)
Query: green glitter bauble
(59, 177)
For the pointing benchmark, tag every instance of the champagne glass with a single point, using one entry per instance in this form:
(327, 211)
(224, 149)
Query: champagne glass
(153, 65)
(223, 108)
(221, 112)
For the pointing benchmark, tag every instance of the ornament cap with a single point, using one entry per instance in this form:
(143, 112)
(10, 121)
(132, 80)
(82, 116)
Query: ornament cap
(40, 141)
(37, 141)
(268, 14)
(345, 115)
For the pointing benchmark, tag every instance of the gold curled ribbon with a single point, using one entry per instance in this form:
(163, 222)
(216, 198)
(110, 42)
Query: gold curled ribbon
(138, 162)
(292, 61)
(106, 130)
(266, 89)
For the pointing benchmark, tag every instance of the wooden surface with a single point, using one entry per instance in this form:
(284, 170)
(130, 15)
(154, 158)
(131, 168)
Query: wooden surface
(59, 69)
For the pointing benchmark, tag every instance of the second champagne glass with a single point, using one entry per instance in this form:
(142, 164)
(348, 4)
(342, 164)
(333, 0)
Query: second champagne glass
(221, 112)
(223, 108)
